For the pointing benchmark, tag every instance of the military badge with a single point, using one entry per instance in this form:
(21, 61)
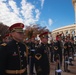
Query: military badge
(38, 56)
(15, 54)
(56, 48)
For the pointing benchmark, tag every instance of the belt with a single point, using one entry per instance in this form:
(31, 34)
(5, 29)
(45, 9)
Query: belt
(15, 71)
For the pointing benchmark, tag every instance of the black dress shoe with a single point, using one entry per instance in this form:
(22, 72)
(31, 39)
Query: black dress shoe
(64, 70)
(71, 64)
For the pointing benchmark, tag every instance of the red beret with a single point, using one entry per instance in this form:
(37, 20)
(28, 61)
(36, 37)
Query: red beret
(58, 36)
(16, 27)
(6, 35)
(43, 34)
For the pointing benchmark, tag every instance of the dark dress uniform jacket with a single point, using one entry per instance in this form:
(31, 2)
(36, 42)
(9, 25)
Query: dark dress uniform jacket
(12, 57)
(42, 61)
(66, 51)
(70, 48)
(58, 44)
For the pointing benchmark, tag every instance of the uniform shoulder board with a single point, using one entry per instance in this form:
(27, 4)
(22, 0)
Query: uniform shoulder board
(3, 44)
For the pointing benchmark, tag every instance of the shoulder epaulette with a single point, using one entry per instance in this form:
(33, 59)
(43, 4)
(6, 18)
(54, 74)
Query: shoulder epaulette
(3, 44)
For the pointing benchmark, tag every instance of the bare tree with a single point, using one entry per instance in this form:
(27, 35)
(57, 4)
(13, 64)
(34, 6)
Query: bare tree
(3, 30)
(33, 30)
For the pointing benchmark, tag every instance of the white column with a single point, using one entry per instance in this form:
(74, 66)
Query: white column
(75, 30)
(75, 11)
(69, 31)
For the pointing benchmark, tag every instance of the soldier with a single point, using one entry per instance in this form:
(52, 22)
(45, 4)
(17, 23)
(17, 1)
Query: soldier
(41, 56)
(51, 50)
(58, 55)
(66, 55)
(58, 48)
(57, 65)
(71, 52)
(32, 55)
(13, 55)
(6, 38)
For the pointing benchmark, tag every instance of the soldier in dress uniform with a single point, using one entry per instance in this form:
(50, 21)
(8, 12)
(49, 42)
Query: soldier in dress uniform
(41, 56)
(71, 52)
(32, 55)
(58, 48)
(6, 38)
(13, 55)
(66, 55)
(51, 50)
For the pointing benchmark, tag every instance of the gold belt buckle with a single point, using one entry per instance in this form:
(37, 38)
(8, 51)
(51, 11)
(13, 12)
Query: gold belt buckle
(16, 71)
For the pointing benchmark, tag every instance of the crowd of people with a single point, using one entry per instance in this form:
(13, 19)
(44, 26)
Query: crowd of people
(16, 53)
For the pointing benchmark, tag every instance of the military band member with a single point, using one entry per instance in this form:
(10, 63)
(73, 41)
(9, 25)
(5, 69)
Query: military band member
(13, 55)
(41, 56)
(66, 56)
(73, 48)
(32, 55)
(57, 65)
(71, 52)
(51, 50)
(58, 48)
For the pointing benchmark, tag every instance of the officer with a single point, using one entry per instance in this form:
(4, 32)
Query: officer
(13, 55)
(41, 56)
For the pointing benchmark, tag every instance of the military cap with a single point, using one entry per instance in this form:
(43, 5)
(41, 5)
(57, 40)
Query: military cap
(6, 35)
(44, 34)
(17, 27)
(58, 36)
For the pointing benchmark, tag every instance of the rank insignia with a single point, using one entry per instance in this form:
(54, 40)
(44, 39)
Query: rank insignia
(38, 56)
(56, 48)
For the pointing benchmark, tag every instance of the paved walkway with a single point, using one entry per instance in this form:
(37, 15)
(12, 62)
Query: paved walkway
(71, 68)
